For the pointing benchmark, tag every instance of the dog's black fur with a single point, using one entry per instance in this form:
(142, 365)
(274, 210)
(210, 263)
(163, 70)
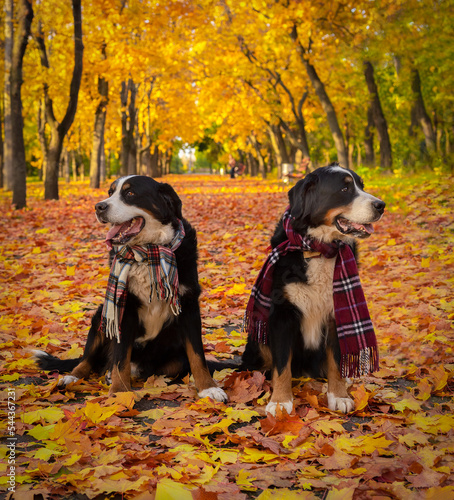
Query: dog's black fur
(329, 204)
(176, 348)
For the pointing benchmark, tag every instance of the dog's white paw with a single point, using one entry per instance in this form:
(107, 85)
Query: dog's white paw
(344, 405)
(215, 393)
(67, 379)
(286, 405)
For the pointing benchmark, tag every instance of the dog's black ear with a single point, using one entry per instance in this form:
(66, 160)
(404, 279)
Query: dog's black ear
(302, 199)
(171, 199)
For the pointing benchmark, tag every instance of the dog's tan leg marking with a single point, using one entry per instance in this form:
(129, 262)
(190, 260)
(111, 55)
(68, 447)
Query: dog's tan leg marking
(82, 370)
(282, 389)
(267, 357)
(121, 378)
(206, 386)
(338, 398)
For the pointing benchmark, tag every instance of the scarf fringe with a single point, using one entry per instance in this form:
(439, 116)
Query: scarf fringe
(258, 329)
(361, 363)
(165, 292)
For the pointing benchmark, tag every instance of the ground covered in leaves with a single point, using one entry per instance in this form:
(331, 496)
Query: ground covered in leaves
(161, 441)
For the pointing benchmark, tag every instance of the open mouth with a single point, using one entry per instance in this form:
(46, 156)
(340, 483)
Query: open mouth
(120, 234)
(346, 226)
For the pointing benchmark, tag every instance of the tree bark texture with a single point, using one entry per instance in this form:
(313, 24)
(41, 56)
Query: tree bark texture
(98, 134)
(325, 101)
(23, 28)
(369, 159)
(128, 123)
(8, 154)
(59, 130)
(378, 117)
(419, 111)
(260, 160)
(279, 147)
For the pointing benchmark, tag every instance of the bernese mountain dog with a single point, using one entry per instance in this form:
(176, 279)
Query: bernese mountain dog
(307, 315)
(150, 321)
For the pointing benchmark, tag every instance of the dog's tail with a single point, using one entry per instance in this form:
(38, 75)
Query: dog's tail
(53, 364)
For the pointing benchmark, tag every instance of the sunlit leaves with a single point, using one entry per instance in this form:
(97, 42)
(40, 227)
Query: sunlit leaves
(160, 439)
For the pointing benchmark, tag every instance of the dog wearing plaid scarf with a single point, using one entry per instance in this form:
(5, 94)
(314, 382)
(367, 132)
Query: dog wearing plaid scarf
(307, 314)
(150, 321)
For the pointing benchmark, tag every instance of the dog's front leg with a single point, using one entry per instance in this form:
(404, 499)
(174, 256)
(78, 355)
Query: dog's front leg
(338, 398)
(284, 324)
(191, 325)
(122, 350)
(121, 367)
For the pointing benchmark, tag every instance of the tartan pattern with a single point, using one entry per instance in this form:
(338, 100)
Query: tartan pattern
(162, 268)
(359, 352)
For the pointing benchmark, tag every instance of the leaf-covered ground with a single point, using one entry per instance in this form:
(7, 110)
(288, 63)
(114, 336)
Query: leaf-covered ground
(161, 441)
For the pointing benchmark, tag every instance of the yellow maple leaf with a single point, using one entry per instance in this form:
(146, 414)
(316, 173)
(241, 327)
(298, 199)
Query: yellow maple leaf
(170, 490)
(51, 415)
(97, 413)
(244, 480)
(241, 415)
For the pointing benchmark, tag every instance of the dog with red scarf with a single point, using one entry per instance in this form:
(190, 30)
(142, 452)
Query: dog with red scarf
(307, 314)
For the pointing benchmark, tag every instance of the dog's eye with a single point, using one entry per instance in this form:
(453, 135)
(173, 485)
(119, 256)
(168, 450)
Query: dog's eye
(130, 194)
(344, 189)
(110, 192)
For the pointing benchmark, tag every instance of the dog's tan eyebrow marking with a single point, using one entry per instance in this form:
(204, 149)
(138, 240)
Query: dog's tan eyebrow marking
(348, 179)
(125, 186)
(113, 186)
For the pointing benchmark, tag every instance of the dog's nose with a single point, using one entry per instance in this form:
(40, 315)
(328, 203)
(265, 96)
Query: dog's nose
(379, 206)
(101, 206)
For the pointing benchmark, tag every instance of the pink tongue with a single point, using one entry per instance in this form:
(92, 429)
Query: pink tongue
(367, 227)
(114, 230)
(127, 228)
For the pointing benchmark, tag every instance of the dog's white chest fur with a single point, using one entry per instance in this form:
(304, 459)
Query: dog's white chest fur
(152, 314)
(314, 299)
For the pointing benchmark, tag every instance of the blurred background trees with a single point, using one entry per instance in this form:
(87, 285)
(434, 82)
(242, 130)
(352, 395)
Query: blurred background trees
(271, 82)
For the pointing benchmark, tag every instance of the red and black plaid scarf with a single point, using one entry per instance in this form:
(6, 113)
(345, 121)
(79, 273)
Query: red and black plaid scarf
(358, 345)
(162, 268)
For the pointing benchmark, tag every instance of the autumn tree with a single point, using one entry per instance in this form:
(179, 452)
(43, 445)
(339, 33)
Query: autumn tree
(59, 129)
(378, 117)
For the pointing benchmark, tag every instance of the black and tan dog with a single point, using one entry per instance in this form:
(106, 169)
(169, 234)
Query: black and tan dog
(150, 322)
(307, 314)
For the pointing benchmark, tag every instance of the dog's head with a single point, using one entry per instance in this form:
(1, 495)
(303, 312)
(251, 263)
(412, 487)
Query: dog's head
(140, 210)
(330, 203)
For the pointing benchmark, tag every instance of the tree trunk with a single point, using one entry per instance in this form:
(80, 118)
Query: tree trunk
(280, 149)
(378, 117)
(128, 121)
(369, 159)
(25, 18)
(1, 144)
(8, 151)
(325, 101)
(154, 163)
(261, 161)
(420, 113)
(66, 166)
(41, 123)
(98, 134)
(59, 130)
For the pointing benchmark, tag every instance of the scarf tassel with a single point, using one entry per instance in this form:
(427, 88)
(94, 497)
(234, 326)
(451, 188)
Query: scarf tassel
(361, 363)
(257, 327)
